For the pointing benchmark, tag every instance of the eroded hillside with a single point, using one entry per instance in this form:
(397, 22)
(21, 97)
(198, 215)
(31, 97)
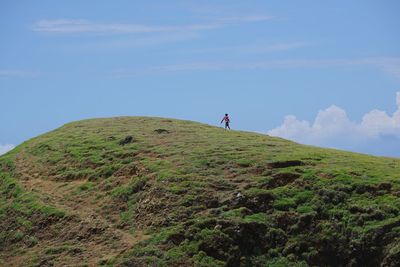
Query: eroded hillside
(136, 191)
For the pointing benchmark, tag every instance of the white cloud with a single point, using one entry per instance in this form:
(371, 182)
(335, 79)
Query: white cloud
(69, 26)
(333, 128)
(5, 148)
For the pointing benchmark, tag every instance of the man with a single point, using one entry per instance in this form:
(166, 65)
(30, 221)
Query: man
(227, 121)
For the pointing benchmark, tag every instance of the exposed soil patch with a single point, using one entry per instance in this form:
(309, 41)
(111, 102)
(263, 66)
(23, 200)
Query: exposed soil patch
(282, 179)
(126, 140)
(285, 164)
(260, 203)
(84, 225)
(161, 131)
(372, 189)
(126, 171)
(111, 138)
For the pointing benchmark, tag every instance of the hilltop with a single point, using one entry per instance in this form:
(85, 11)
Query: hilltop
(137, 191)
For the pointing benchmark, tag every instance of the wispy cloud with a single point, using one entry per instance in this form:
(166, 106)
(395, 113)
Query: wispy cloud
(69, 26)
(249, 18)
(140, 41)
(254, 48)
(85, 26)
(5, 148)
(387, 64)
(10, 73)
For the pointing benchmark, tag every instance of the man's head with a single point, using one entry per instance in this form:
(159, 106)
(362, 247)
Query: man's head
(226, 114)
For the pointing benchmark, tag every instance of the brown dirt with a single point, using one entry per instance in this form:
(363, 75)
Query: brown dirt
(85, 226)
(285, 164)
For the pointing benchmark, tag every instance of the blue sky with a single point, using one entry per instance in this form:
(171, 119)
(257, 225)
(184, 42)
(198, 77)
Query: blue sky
(322, 62)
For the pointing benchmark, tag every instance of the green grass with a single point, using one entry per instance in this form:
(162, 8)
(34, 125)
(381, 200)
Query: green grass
(20, 212)
(207, 195)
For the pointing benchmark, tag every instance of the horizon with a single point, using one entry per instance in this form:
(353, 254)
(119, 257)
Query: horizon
(326, 75)
(216, 125)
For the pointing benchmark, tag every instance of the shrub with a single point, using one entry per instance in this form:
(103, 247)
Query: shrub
(124, 192)
(202, 260)
(18, 236)
(244, 163)
(285, 204)
(304, 209)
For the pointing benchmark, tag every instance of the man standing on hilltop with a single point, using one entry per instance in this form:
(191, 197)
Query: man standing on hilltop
(227, 121)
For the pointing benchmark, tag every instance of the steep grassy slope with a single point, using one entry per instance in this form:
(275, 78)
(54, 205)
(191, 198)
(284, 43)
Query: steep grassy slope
(136, 191)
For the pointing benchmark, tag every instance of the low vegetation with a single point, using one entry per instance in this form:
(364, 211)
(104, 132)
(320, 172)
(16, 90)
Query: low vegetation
(136, 191)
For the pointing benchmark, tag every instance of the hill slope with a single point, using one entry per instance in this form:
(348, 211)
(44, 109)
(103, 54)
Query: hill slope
(136, 191)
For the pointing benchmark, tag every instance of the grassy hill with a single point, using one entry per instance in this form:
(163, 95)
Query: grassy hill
(135, 191)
